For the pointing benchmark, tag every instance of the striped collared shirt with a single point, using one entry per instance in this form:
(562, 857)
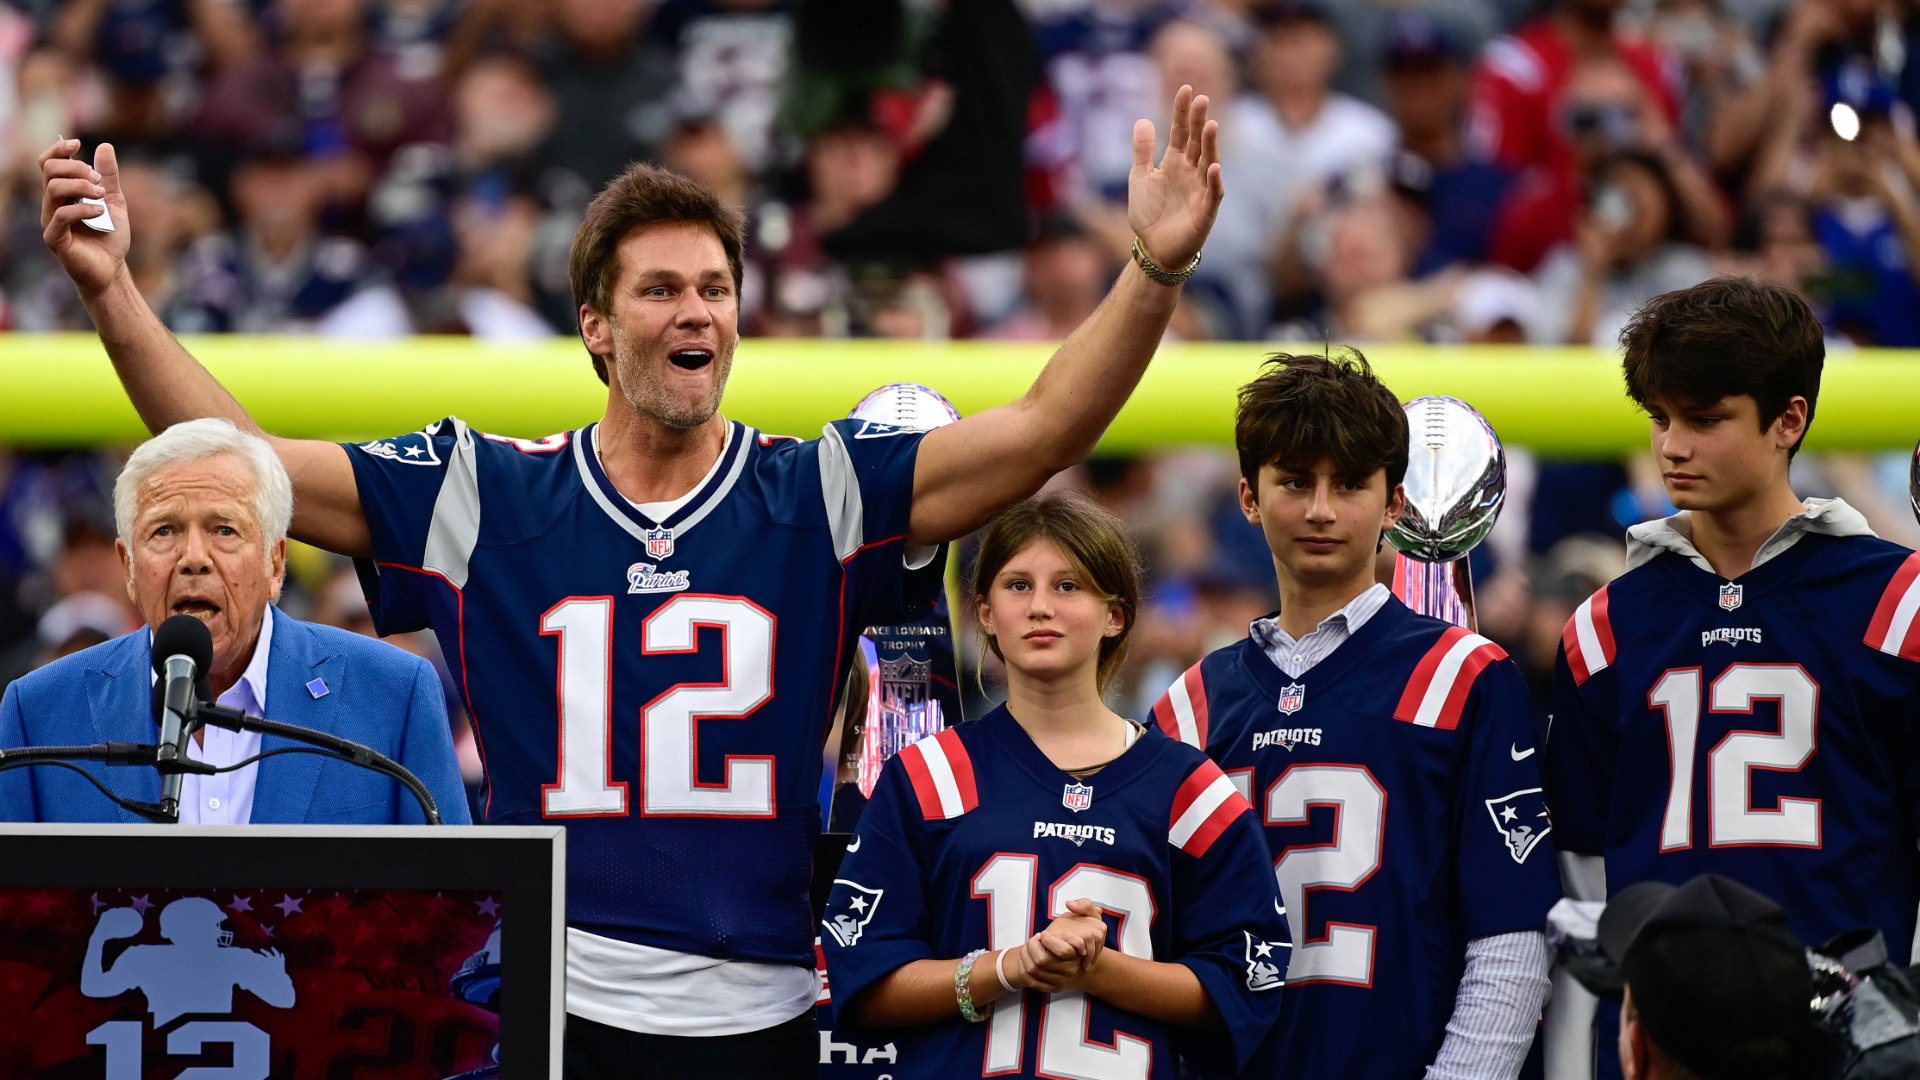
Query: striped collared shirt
(1296, 658)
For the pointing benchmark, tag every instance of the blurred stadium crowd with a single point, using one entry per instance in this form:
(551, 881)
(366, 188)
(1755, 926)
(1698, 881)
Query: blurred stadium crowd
(1451, 171)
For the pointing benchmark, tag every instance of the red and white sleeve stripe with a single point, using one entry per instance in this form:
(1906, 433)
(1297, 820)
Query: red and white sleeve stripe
(1205, 805)
(1588, 638)
(1182, 711)
(1892, 630)
(942, 775)
(1436, 696)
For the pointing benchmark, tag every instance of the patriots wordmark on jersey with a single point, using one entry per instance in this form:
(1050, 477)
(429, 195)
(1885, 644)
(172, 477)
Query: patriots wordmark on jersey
(1774, 739)
(1400, 797)
(663, 687)
(967, 845)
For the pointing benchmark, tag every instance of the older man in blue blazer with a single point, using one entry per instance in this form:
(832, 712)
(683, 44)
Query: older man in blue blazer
(202, 511)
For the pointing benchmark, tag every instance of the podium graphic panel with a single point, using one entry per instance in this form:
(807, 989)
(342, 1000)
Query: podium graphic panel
(144, 953)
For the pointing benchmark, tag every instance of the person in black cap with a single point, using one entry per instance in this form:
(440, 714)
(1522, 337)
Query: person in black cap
(1712, 984)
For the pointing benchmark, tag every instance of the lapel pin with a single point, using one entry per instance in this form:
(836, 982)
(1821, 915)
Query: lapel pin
(318, 688)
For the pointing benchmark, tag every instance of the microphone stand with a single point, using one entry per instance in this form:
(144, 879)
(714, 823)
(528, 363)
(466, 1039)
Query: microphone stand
(333, 746)
(112, 753)
(120, 753)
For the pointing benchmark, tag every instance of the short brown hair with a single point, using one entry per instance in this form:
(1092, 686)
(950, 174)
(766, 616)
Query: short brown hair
(1722, 338)
(643, 196)
(1094, 544)
(1303, 408)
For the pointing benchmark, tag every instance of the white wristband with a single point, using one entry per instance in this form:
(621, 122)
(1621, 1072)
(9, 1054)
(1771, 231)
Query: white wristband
(1000, 970)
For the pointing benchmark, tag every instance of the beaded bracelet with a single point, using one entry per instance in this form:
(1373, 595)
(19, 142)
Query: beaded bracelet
(963, 989)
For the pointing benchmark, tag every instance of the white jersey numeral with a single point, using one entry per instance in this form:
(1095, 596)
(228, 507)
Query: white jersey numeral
(669, 731)
(585, 786)
(1732, 820)
(1008, 884)
(1359, 804)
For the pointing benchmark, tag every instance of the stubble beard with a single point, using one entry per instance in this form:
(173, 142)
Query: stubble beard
(646, 398)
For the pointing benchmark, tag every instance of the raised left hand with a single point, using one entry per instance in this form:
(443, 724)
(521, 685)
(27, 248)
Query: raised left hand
(1171, 206)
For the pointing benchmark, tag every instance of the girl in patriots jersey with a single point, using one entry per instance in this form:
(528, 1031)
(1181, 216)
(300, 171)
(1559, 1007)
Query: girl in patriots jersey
(1135, 860)
(1389, 755)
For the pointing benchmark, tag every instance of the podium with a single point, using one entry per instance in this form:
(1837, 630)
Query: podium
(137, 952)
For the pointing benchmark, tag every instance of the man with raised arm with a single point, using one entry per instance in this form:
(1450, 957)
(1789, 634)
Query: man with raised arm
(648, 616)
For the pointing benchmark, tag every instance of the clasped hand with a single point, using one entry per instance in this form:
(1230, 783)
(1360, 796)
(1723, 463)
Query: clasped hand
(1061, 956)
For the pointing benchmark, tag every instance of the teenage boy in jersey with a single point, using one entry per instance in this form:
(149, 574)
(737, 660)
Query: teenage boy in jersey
(1389, 754)
(1742, 701)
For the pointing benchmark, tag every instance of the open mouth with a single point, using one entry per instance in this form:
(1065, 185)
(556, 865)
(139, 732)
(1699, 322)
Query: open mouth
(197, 607)
(691, 359)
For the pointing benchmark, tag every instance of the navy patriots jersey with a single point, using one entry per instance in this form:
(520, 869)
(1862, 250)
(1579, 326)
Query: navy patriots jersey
(661, 688)
(1404, 814)
(975, 840)
(1764, 729)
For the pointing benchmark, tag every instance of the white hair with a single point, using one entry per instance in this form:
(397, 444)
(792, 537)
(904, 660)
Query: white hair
(195, 440)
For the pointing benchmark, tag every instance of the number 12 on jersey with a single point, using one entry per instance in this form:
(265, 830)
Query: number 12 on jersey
(669, 735)
(1732, 820)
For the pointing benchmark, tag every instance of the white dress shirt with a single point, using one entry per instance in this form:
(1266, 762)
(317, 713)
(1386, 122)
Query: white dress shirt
(227, 798)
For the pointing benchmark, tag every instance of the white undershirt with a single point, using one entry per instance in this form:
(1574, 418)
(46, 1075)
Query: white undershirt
(227, 798)
(663, 992)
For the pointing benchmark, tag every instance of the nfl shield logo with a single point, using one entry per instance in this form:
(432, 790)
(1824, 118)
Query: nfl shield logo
(1078, 797)
(1729, 596)
(1292, 697)
(660, 543)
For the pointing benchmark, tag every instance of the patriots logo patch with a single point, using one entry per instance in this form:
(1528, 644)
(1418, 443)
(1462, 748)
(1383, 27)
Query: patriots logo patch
(414, 448)
(847, 922)
(1522, 820)
(646, 578)
(1264, 968)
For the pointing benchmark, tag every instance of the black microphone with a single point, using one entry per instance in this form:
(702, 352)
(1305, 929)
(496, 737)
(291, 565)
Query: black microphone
(182, 657)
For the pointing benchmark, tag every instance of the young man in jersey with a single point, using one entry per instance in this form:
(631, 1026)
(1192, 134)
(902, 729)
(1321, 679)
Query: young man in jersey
(1390, 756)
(1742, 701)
(650, 616)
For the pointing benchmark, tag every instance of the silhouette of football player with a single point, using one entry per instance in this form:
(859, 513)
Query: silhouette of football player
(197, 973)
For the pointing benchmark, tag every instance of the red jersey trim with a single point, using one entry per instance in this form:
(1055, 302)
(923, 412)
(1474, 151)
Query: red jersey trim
(1436, 696)
(1182, 711)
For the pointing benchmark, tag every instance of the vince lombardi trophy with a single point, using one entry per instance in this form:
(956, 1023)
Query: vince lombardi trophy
(913, 687)
(1456, 482)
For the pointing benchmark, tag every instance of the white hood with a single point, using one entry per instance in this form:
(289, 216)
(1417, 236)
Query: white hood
(1831, 517)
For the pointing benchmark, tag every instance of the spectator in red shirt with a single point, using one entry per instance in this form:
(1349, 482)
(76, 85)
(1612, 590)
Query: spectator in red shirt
(1603, 108)
(1522, 78)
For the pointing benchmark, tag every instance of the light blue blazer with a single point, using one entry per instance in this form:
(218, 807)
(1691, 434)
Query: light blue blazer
(366, 690)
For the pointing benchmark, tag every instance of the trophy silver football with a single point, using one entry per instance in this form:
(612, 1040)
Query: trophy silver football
(1456, 482)
(907, 405)
(902, 708)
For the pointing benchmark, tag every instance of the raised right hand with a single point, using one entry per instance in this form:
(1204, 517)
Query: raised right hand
(92, 259)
